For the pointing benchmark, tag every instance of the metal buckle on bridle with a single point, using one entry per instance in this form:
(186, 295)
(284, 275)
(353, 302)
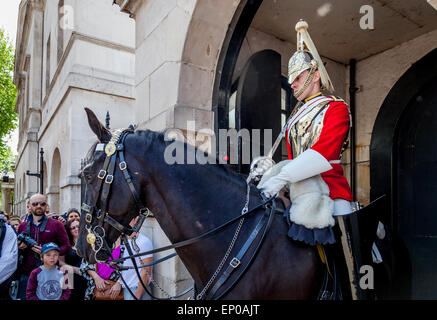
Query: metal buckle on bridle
(109, 178)
(102, 174)
(99, 214)
(234, 262)
(88, 218)
(123, 165)
(144, 213)
(142, 210)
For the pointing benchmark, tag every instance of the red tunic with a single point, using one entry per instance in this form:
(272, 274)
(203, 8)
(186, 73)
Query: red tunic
(334, 133)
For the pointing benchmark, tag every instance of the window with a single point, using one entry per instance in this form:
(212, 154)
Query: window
(60, 48)
(48, 65)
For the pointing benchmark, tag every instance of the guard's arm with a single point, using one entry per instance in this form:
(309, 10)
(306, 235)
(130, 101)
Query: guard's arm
(308, 164)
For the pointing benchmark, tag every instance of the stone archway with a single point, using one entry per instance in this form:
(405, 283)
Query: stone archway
(53, 188)
(207, 36)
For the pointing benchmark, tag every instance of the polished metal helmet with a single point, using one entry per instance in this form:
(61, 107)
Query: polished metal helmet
(306, 57)
(300, 61)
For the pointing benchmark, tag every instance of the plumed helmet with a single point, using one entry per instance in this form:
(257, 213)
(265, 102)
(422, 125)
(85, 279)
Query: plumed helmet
(306, 57)
(300, 61)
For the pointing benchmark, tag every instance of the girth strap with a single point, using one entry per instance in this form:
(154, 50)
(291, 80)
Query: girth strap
(235, 262)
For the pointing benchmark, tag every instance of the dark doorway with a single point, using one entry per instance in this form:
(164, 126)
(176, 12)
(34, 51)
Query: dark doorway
(403, 159)
(260, 102)
(258, 105)
(416, 156)
(243, 101)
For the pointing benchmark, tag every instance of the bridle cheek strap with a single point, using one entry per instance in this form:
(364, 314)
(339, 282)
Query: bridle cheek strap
(114, 148)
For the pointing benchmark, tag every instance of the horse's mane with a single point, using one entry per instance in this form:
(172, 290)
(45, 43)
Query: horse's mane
(156, 139)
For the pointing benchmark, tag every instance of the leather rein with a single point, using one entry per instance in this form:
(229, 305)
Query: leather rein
(96, 235)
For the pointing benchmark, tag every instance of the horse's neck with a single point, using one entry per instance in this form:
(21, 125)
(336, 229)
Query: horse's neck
(193, 199)
(189, 200)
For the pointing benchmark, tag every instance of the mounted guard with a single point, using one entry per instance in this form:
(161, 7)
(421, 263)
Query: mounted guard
(321, 213)
(316, 134)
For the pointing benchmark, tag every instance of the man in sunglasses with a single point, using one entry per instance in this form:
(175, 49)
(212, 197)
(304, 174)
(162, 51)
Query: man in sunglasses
(39, 230)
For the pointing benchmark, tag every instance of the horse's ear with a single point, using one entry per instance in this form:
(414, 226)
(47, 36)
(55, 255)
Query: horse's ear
(103, 134)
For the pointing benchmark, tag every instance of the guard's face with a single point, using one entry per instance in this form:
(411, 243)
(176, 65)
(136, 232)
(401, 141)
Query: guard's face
(299, 82)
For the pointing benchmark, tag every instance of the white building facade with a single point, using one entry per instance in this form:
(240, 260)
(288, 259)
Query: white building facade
(70, 55)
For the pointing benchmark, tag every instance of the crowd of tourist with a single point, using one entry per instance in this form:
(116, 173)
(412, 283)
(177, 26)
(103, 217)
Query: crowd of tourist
(39, 259)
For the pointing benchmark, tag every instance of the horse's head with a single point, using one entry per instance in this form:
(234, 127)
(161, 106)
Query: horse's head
(108, 205)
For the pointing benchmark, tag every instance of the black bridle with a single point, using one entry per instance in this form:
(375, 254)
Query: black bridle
(113, 149)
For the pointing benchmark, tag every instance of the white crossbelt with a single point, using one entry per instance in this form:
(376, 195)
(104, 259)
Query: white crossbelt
(307, 107)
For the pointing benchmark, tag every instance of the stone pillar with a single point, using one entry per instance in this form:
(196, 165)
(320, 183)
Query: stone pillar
(69, 194)
(5, 199)
(53, 198)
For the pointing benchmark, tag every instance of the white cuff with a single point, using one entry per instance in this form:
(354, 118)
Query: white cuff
(308, 164)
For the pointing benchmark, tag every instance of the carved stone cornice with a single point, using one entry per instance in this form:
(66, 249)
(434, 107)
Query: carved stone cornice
(25, 12)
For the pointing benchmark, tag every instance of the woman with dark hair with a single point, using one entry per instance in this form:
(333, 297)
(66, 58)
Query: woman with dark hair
(71, 262)
(71, 214)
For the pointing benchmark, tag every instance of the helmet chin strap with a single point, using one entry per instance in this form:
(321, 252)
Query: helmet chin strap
(306, 83)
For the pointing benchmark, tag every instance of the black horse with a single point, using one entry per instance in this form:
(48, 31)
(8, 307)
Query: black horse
(190, 199)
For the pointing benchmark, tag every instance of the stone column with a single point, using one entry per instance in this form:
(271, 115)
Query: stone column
(53, 198)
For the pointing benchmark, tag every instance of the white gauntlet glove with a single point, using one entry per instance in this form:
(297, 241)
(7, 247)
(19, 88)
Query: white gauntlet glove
(308, 164)
(259, 167)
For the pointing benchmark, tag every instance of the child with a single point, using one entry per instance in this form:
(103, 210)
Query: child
(46, 281)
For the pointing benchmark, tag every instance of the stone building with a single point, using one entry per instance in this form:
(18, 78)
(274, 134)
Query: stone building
(69, 55)
(176, 61)
(193, 59)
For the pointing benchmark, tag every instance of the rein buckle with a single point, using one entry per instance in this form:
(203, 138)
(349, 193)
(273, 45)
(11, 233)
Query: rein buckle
(88, 218)
(102, 174)
(123, 165)
(109, 178)
(234, 262)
